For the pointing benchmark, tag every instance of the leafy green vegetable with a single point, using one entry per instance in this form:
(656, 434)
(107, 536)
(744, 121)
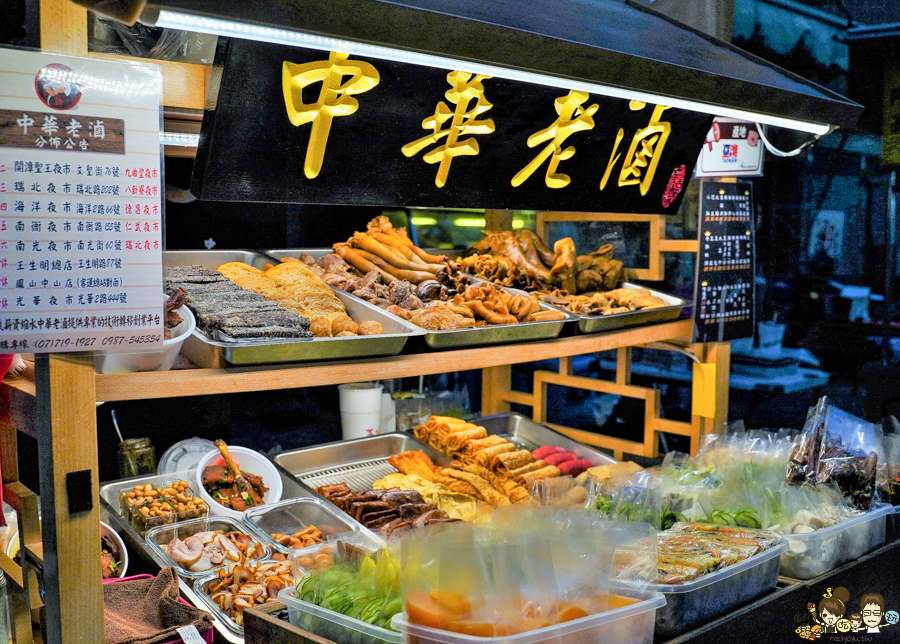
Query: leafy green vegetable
(367, 590)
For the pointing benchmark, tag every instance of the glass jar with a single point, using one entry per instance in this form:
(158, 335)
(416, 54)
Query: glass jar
(136, 456)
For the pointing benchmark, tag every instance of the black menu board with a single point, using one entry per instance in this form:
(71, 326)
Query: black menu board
(726, 263)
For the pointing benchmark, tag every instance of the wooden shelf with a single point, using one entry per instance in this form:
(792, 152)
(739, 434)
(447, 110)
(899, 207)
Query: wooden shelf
(197, 382)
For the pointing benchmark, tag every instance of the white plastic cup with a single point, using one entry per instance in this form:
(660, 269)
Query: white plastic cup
(360, 409)
(388, 415)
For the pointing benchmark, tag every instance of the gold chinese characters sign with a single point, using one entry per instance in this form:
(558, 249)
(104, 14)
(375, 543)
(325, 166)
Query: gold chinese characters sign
(307, 126)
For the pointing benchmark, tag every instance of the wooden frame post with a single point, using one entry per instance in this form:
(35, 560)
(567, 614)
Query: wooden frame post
(718, 354)
(66, 427)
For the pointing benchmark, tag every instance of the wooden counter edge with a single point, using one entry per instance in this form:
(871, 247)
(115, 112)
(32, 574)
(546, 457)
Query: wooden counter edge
(260, 627)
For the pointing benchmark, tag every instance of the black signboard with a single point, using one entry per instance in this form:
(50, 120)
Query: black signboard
(309, 126)
(726, 264)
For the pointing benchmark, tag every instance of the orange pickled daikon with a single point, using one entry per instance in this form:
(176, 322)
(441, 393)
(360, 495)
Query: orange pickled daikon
(422, 609)
(472, 627)
(454, 602)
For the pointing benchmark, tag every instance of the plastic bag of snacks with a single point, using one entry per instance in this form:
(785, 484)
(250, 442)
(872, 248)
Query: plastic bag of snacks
(803, 509)
(889, 470)
(560, 491)
(732, 504)
(837, 446)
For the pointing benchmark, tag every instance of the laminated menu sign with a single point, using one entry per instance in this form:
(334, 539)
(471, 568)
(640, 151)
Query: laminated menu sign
(80, 204)
(726, 264)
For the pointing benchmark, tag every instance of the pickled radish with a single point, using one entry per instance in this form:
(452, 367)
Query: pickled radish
(454, 602)
(422, 609)
(471, 627)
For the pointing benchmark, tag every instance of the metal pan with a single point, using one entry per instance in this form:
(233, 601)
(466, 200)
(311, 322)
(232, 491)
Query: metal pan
(601, 323)
(474, 337)
(109, 504)
(316, 253)
(528, 434)
(211, 353)
(358, 463)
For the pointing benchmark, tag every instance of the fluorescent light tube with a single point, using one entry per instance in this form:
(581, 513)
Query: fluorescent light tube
(177, 138)
(188, 22)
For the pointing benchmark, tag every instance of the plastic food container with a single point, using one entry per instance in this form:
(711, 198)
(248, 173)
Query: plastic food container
(248, 461)
(158, 538)
(708, 596)
(207, 635)
(810, 555)
(893, 524)
(184, 455)
(142, 523)
(287, 517)
(152, 358)
(200, 586)
(334, 626)
(627, 625)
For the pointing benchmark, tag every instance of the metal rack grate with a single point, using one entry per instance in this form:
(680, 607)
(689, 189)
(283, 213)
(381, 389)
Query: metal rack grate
(362, 475)
(358, 476)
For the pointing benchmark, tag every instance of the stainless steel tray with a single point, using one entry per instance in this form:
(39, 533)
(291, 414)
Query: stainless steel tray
(528, 434)
(601, 323)
(109, 503)
(316, 253)
(358, 463)
(287, 517)
(211, 353)
(479, 336)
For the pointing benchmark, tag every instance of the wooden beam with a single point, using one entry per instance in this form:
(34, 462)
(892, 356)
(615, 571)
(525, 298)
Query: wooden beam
(673, 427)
(720, 354)
(679, 245)
(184, 84)
(63, 27)
(598, 440)
(519, 398)
(67, 442)
(198, 382)
(623, 366)
(495, 383)
(17, 412)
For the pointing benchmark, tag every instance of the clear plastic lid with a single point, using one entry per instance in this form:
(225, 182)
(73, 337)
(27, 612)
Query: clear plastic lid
(184, 455)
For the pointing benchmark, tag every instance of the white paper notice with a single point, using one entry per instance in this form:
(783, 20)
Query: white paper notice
(80, 204)
(190, 635)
